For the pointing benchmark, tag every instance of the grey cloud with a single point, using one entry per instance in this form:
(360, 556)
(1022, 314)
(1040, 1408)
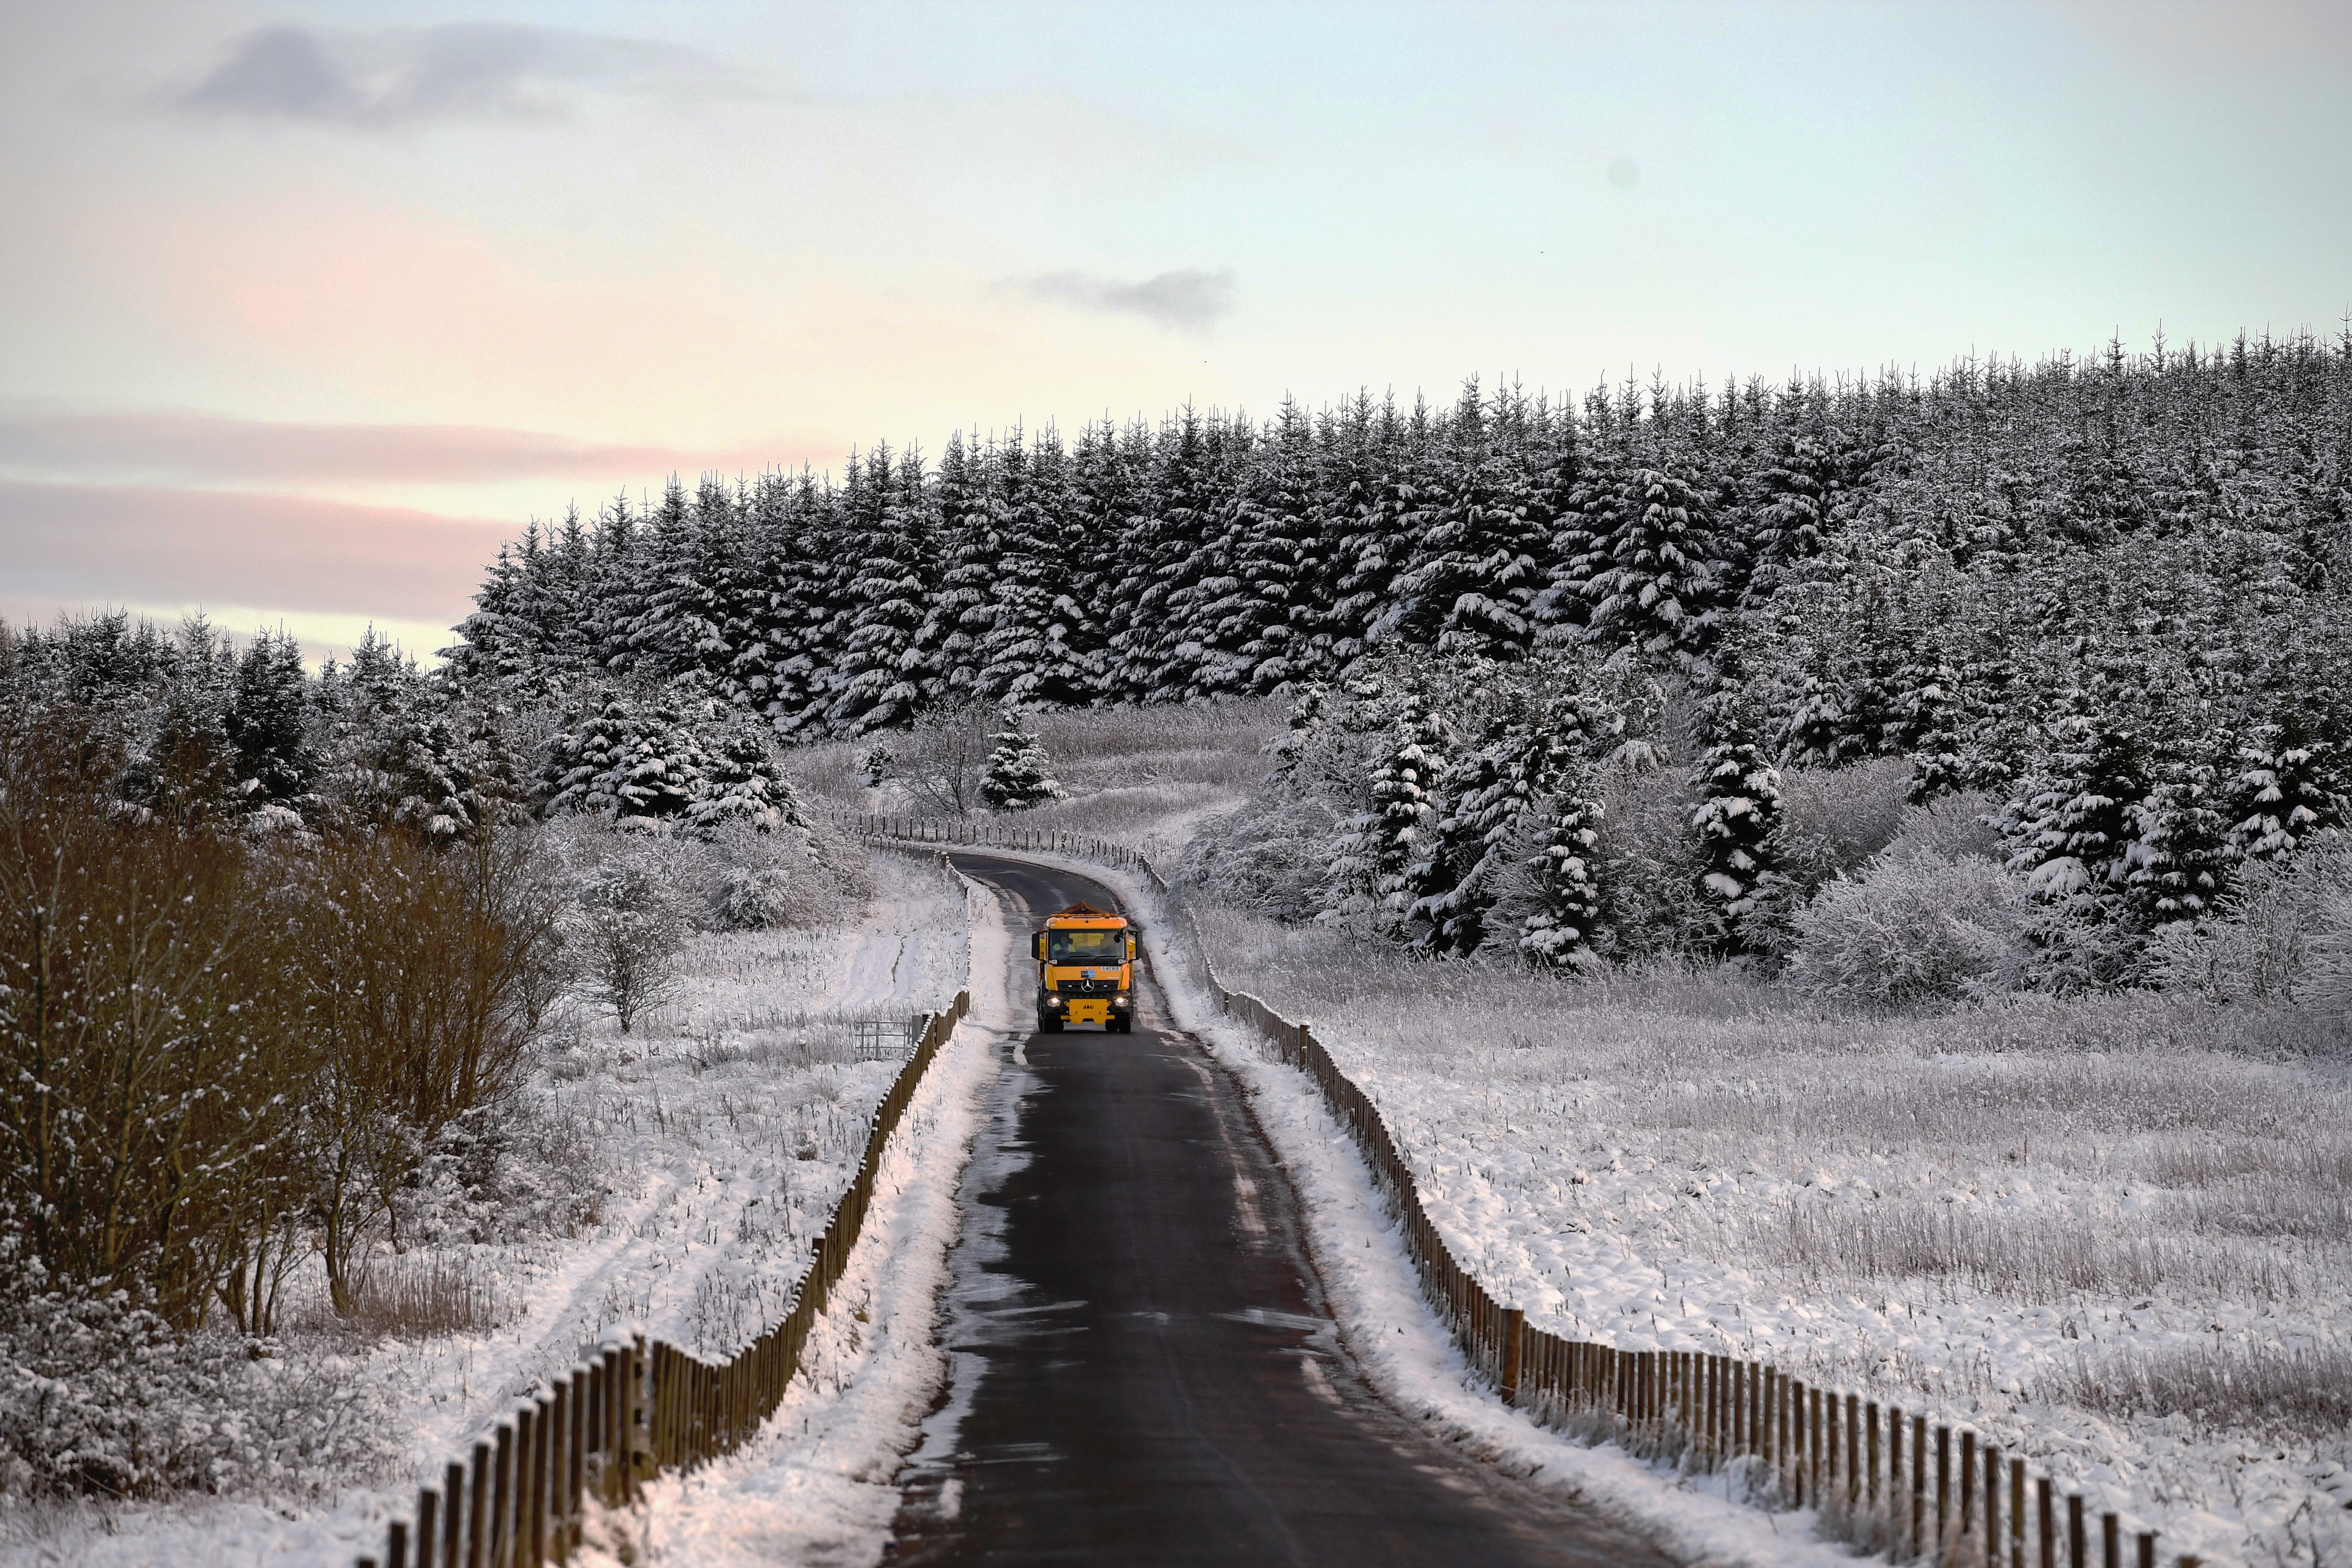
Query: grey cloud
(1189, 299)
(293, 553)
(469, 71)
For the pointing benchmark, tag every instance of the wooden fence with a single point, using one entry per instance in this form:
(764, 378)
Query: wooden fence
(992, 832)
(1866, 1467)
(522, 1498)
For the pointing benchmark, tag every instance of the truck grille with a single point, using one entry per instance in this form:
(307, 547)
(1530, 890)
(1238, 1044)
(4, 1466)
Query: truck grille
(1086, 988)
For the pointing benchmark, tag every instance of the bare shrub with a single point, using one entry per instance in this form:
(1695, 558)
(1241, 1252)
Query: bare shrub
(150, 1067)
(420, 1296)
(945, 755)
(1914, 929)
(411, 979)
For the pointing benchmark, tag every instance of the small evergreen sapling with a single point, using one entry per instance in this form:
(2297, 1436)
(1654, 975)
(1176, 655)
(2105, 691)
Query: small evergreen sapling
(1375, 852)
(1014, 778)
(1739, 816)
(1559, 932)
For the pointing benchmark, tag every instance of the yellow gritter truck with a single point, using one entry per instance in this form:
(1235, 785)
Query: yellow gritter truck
(1086, 960)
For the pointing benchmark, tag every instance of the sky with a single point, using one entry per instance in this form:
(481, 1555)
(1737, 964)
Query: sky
(305, 308)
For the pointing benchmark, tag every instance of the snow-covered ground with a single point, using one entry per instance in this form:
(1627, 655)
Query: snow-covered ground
(1996, 1221)
(817, 1484)
(712, 1144)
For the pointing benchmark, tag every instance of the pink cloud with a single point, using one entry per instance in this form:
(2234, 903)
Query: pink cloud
(201, 447)
(143, 545)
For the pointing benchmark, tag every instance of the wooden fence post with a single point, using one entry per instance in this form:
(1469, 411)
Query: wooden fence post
(453, 1497)
(478, 1502)
(1918, 1481)
(558, 1462)
(1943, 1492)
(1895, 1522)
(1514, 1334)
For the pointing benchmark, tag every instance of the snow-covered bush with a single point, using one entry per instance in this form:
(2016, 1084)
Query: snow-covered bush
(629, 927)
(876, 765)
(99, 1397)
(2283, 935)
(1650, 862)
(1269, 858)
(1910, 929)
(1951, 825)
(1832, 820)
(533, 1171)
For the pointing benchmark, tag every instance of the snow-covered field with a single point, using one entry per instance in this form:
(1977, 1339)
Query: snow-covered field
(703, 1151)
(1143, 779)
(2036, 1223)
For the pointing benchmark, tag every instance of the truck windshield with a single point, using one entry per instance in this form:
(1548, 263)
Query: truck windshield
(1103, 947)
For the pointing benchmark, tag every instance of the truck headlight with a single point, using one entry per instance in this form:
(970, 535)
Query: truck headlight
(1053, 1001)
(1120, 1000)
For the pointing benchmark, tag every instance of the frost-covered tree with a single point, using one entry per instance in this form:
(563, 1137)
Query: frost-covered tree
(1737, 818)
(1560, 928)
(1375, 852)
(1016, 776)
(1652, 545)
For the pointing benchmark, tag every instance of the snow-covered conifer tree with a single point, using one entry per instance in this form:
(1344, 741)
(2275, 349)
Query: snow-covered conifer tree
(2072, 830)
(1375, 850)
(2291, 781)
(740, 781)
(269, 725)
(1561, 928)
(1016, 778)
(1652, 542)
(1738, 816)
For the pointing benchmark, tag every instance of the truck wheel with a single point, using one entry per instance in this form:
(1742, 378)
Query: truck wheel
(1049, 1023)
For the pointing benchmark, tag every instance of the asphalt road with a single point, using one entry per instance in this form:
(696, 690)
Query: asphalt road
(1145, 1369)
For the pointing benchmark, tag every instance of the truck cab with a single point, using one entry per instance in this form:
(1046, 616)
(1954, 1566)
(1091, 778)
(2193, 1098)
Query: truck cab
(1085, 966)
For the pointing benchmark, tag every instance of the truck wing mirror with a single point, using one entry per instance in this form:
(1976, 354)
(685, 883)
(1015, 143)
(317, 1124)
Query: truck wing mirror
(1131, 950)
(1037, 945)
